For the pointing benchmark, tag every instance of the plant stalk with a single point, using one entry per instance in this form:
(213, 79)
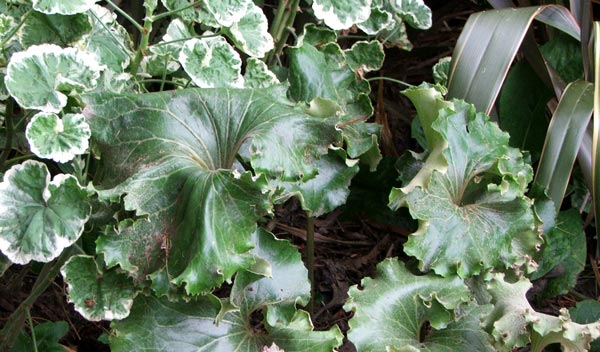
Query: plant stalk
(14, 324)
(143, 47)
(125, 15)
(310, 260)
(281, 32)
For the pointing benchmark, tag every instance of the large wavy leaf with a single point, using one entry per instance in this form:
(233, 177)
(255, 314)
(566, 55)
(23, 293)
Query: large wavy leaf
(172, 153)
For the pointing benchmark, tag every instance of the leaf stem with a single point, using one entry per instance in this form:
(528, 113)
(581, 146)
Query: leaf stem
(310, 260)
(381, 78)
(35, 348)
(14, 323)
(126, 16)
(143, 47)
(172, 12)
(15, 30)
(9, 133)
(281, 34)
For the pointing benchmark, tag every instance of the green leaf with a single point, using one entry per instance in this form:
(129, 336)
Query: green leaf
(522, 108)
(251, 33)
(258, 75)
(58, 139)
(563, 53)
(488, 45)
(108, 40)
(227, 12)
(61, 30)
(164, 54)
(415, 13)
(379, 20)
(62, 7)
(39, 77)
(341, 14)
(7, 24)
(328, 190)
(205, 324)
(514, 323)
(172, 153)
(586, 312)
(565, 246)
(440, 71)
(211, 62)
(365, 57)
(39, 218)
(473, 214)
(392, 309)
(97, 294)
(47, 336)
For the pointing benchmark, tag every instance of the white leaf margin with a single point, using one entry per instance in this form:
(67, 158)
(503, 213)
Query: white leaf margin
(61, 156)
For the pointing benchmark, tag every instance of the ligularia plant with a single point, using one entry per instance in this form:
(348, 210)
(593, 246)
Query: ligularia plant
(144, 173)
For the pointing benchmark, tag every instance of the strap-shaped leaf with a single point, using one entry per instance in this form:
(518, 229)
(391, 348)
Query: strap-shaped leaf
(206, 325)
(211, 62)
(391, 310)
(488, 45)
(97, 294)
(39, 218)
(565, 133)
(39, 77)
(171, 153)
(58, 139)
(342, 14)
(473, 214)
(251, 33)
(62, 7)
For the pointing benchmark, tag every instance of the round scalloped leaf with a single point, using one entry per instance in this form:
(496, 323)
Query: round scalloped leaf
(171, 153)
(514, 323)
(63, 7)
(97, 294)
(61, 30)
(473, 215)
(342, 14)
(39, 218)
(160, 325)
(258, 75)
(51, 137)
(211, 63)
(39, 77)
(227, 12)
(391, 310)
(251, 33)
(379, 20)
(365, 57)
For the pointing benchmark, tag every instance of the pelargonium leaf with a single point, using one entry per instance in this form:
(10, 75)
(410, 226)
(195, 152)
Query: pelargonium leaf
(258, 75)
(47, 337)
(391, 309)
(164, 54)
(342, 14)
(227, 12)
(39, 77)
(7, 24)
(62, 7)
(440, 71)
(172, 154)
(377, 21)
(211, 62)
(414, 12)
(58, 139)
(251, 33)
(61, 30)
(39, 218)
(203, 324)
(473, 214)
(108, 40)
(514, 323)
(365, 57)
(96, 293)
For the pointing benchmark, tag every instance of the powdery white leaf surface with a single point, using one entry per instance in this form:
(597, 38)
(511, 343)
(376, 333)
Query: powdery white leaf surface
(228, 12)
(514, 322)
(341, 14)
(251, 33)
(96, 293)
(68, 7)
(59, 139)
(38, 217)
(469, 197)
(391, 310)
(207, 324)
(40, 77)
(211, 63)
(258, 75)
(172, 154)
